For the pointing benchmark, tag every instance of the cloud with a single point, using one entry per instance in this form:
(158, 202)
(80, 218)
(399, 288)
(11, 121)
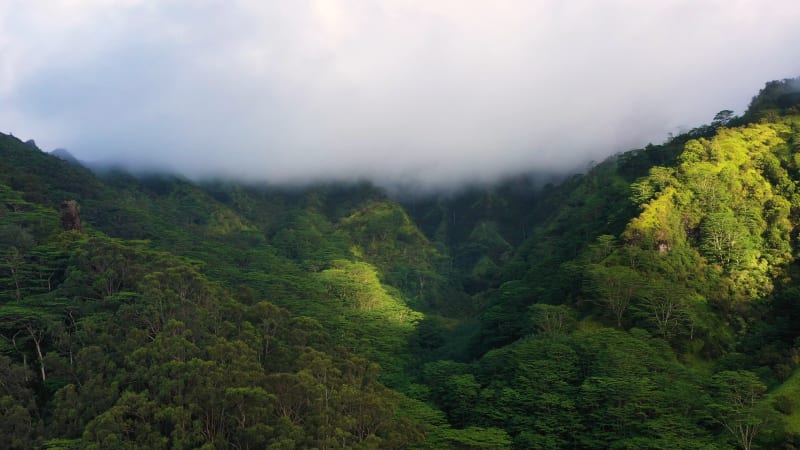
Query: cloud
(405, 90)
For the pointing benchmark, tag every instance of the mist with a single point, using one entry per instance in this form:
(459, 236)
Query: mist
(405, 92)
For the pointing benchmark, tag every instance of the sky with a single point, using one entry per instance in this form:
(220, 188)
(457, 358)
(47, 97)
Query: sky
(420, 92)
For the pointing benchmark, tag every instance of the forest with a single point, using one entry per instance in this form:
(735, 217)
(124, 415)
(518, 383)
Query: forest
(652, 302)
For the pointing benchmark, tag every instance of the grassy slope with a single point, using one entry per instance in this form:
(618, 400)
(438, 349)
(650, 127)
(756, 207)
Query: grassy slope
(791, 390)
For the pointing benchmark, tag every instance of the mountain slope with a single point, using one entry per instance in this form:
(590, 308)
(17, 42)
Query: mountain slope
(167, 282)
(689, 247)
(629, 307)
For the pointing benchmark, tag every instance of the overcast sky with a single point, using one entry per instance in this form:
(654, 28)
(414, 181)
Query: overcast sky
(435, 91)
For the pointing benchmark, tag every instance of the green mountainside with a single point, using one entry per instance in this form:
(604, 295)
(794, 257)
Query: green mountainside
(652, 302)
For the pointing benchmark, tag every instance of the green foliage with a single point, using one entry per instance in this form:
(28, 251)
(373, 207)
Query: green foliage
(775, 97)
(737, 403)
(120, 344)
(726, 240)
(552, 319)
(616, 287)
(649, 303)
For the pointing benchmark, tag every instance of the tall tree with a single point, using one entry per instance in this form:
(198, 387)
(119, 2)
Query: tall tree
(738, 405)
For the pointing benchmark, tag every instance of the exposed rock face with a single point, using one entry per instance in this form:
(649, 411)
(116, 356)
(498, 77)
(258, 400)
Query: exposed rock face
(71, 215)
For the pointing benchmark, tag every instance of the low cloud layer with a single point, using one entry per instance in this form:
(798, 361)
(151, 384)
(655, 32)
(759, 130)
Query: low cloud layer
(434, 92)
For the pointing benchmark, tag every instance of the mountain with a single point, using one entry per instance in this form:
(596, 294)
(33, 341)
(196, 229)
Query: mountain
(648, 303)
(64, 154)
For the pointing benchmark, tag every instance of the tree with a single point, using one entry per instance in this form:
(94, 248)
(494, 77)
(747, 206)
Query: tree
(615, 287)
(665, 304)
(130, 423)
(23, 324)
(18, 415)
(552, 319)
(722, 118)
(15, 243)
(738, 405)
(725, 239)
(268, 320)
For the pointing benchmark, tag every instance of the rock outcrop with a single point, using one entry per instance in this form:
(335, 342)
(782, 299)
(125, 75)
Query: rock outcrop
(71, 215)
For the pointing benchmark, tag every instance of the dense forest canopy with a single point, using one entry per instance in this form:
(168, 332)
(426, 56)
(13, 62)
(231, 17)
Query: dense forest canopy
(651, 302)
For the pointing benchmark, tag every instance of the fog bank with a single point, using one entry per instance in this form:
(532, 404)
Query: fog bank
(407, 91)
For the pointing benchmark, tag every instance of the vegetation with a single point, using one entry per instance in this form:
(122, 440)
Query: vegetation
(649, 303)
